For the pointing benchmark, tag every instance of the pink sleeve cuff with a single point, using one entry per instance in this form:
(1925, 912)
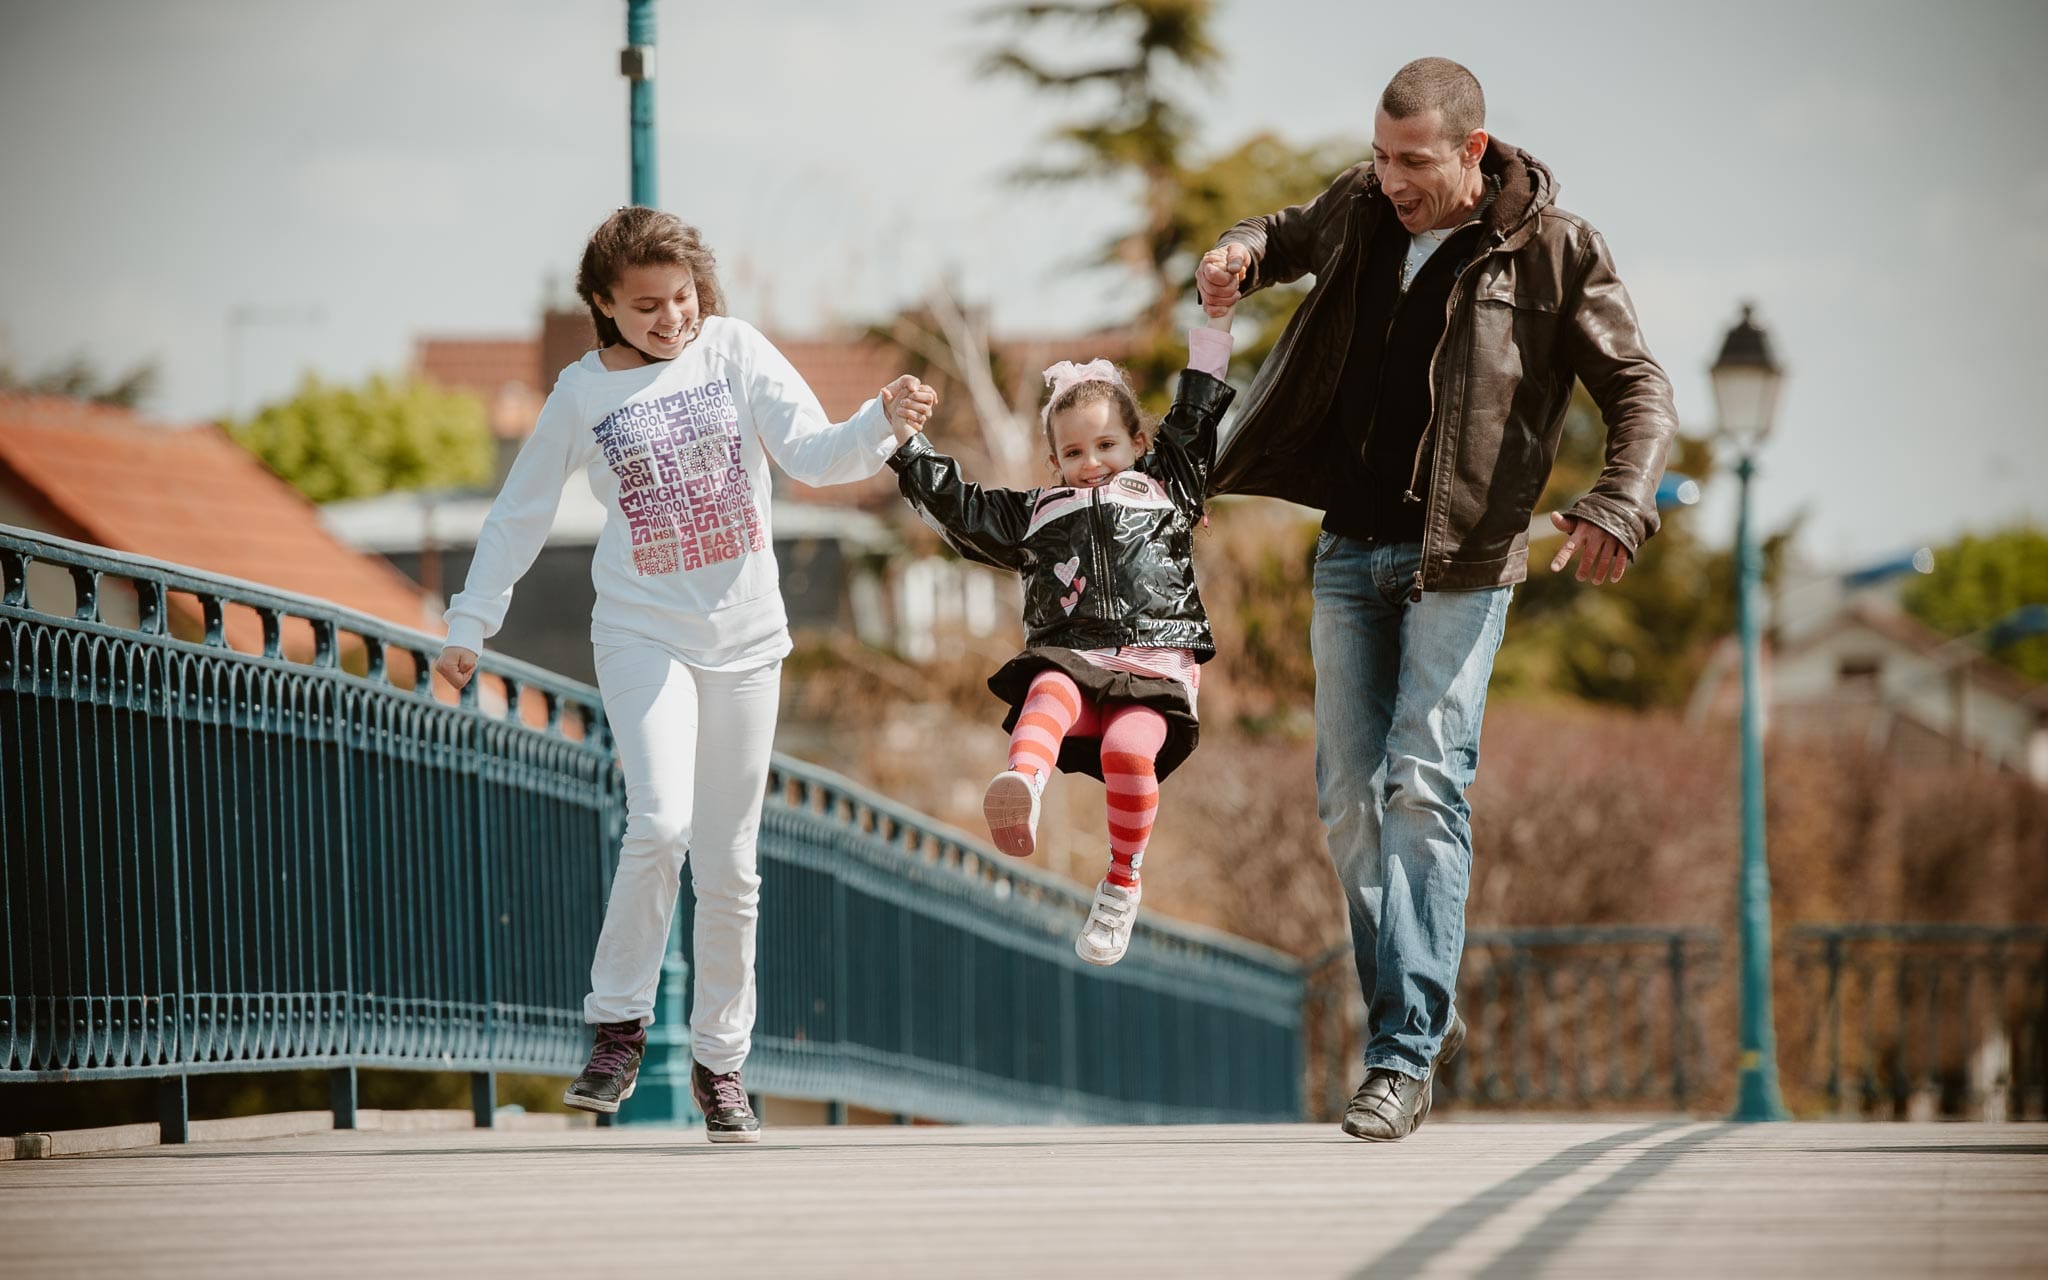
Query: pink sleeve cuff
(1209, 352)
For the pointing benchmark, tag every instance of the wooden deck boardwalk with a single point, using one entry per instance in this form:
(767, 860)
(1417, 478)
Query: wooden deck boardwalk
(1493, 1199)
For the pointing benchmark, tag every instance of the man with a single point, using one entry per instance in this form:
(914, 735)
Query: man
(1416, 398)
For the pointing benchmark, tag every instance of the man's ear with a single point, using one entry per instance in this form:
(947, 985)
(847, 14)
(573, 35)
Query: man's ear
(1475, 147)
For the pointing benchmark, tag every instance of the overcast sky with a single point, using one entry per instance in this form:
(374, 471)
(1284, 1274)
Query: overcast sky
(355, 175)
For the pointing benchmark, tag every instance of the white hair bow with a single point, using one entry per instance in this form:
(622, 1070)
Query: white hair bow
(1064, 374)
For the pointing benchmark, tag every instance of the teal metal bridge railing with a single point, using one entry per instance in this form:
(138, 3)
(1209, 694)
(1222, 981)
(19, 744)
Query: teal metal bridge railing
(1922, 1019)
(239, 833)
(1574, 1016)
(293, 857)
(911, 970)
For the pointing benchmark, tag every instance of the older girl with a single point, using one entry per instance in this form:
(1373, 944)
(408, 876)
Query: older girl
(674, 417)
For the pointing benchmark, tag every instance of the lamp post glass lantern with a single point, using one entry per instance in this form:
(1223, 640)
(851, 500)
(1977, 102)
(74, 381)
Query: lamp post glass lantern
(1746, 382)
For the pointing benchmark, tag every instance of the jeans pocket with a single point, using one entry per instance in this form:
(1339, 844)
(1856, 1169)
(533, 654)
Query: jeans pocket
(1326, 542)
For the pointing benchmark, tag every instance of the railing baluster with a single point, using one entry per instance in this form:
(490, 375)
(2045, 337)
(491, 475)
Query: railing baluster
(1905, 1018)
(1833, 1014)
(1674, 964)
(1932, 1082)
(1611, 970)
(1901, 1003)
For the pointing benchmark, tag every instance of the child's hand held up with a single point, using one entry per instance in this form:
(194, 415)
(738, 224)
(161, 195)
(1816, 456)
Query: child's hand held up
(1219, 277)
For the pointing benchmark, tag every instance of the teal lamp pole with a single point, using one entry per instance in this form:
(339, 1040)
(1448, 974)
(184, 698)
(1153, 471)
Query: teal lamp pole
(636, 63)
(662, 1094)
(1746, 384)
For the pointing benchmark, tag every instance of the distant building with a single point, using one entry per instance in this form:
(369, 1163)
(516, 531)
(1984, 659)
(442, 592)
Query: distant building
(1882, 677)
(188, 495)
(513, 376)
(844, 565)
(831, 558)
(1859, 668)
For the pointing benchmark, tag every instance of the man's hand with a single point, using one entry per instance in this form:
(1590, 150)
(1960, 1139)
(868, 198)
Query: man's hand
(456, 665)
(908, 404)
(1605, 558)
(1218, 277)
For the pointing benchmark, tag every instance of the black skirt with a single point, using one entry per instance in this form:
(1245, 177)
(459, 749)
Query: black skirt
(1101, 685)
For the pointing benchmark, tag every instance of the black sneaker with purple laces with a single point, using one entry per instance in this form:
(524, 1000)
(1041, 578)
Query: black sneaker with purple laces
(723, 1099)
(614, 1065)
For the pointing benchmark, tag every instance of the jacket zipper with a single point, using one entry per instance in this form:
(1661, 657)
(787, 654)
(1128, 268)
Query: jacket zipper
(1379, 379)
(1101, 540)
(1429, 423)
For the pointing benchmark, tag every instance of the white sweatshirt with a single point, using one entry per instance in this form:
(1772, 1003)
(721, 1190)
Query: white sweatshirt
(675, 451)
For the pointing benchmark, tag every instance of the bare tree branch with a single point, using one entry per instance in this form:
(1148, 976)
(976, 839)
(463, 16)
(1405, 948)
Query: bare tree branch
(1007, 436)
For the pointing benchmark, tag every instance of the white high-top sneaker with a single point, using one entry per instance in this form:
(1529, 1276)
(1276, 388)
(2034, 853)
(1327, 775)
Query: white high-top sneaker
(1011, 807)
(1107, 934)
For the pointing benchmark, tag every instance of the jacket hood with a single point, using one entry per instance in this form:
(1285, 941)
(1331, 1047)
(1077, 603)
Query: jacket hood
(1527, 187)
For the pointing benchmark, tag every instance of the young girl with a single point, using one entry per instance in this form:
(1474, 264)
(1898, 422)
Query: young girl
(1114, 628)
(674, 418)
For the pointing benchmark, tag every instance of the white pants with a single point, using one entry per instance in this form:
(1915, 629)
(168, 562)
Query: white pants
(695, 747)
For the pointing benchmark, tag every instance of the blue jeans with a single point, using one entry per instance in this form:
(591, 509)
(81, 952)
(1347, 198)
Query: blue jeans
(1400, 689)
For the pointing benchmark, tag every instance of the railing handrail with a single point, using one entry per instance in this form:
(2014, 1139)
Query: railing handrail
(1921, 932)
(1567, 935)
(68, 554)
(1041, 886)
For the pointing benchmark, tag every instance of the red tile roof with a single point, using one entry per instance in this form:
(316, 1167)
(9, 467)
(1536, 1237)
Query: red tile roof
(483, 365)
(502, 372)
(844, 373)
(191, 496)
(843, 370)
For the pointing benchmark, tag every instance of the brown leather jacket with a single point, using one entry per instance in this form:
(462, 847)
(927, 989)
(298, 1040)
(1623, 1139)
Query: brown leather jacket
(1537, 305)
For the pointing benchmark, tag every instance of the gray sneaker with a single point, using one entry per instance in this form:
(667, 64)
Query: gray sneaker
(614, 1066)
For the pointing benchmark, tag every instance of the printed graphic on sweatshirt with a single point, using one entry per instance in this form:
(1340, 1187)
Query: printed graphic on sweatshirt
(682, 489)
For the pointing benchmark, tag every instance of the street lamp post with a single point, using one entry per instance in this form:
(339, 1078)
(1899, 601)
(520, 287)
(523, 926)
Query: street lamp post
(1746, 384)
(636, 63)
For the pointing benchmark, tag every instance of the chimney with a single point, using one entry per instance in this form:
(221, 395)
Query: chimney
(564, 336)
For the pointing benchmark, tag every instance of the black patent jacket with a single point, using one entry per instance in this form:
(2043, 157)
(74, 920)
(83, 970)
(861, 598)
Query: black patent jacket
(1105, 566)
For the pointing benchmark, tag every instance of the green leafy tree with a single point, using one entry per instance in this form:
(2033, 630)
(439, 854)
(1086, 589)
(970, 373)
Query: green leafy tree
(1143, 136)
(1259, 175)
(1143, 133)
(1642, 644)
(334, 442)
(1978, 581)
